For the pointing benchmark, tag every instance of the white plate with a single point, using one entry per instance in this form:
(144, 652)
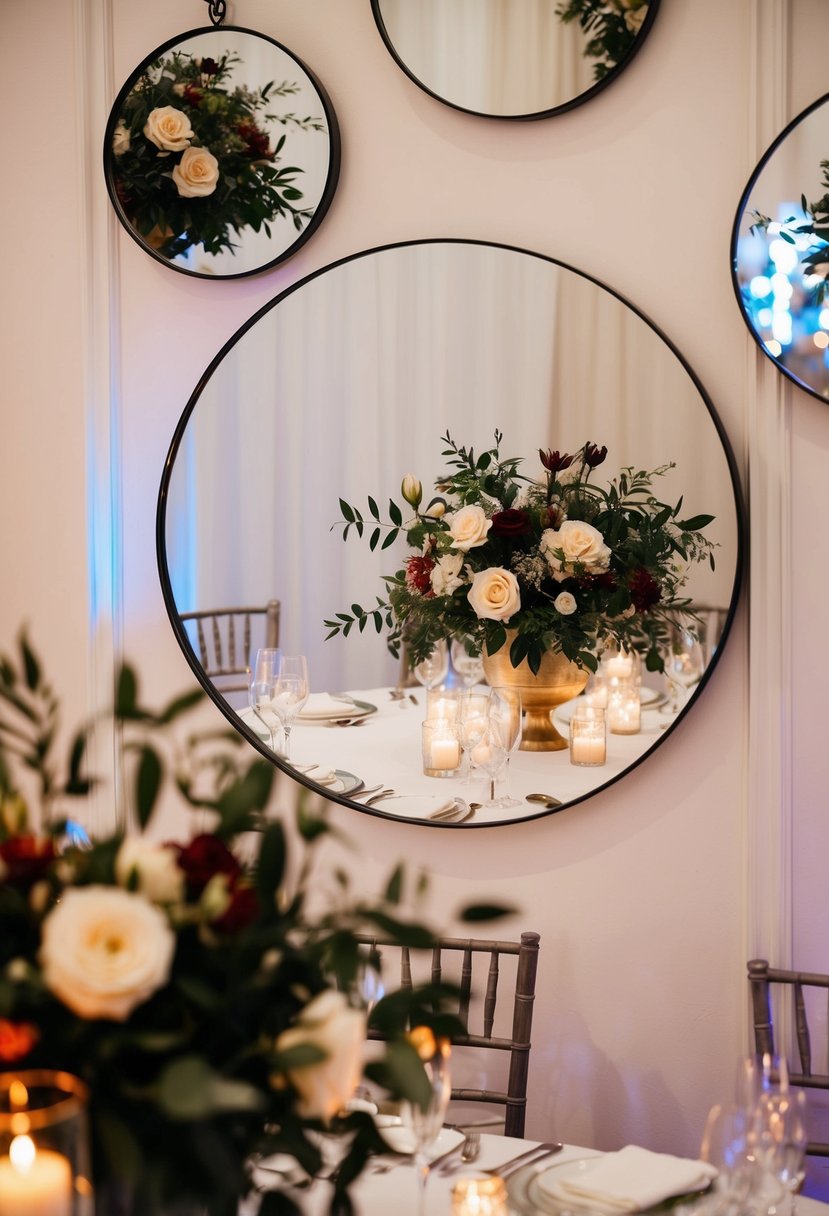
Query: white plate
(400, 1139)
(649, 698)
(530, 1189)
(347, 708)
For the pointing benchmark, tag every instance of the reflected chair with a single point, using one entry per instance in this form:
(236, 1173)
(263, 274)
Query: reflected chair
(447, 954)
(803, 989)
(223, 639)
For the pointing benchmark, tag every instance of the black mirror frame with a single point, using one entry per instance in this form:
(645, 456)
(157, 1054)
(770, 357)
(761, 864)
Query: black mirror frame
(192, 658)
(335, 153)
(580, 99)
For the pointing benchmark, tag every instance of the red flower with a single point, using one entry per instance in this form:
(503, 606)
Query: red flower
(593, 455)
(511, 522)
(208, 67)
(16, 1040)
(644, 589)
(554, 462)
(418, 570)
(192, 95)
(204, 857)
(259, 147)
(241, 912)
(26, 858)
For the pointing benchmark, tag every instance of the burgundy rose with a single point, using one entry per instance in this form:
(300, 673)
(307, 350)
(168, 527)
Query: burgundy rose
(555, 516)
(193, 95)
(204, 857)
(512, 522)
(554, 462)
(593, 455)
(241, 912)
(258, 144)
(208, 67)
(26, 859)
(418, 570)
(644, 589)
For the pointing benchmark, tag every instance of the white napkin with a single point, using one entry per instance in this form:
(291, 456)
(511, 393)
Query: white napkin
(630, 1180)
(323, 705)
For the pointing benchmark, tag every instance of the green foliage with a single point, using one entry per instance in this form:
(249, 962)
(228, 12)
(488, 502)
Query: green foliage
(610, 27)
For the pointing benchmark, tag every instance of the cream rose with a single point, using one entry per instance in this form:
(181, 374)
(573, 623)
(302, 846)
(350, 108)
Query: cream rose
(329, 1023)
(196, 174)
(468, 527)
(445, 575)
(103, 951)
(158, 875)
(582, 545)
(168, 128)
(494, 594)
(565, 603)
(120, 140)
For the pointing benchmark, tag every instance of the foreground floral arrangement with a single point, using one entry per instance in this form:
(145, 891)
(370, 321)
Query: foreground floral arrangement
(192, 163)
(187, 983)
(569, 565)
(610, 26)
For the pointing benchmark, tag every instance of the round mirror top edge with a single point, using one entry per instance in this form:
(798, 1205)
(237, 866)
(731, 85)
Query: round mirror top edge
(376, 352)
(249, 99)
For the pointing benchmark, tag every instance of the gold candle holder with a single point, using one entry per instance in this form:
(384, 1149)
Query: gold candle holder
(44, 1145)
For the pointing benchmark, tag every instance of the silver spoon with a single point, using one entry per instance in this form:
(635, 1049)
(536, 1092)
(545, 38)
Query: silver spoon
(544, 799)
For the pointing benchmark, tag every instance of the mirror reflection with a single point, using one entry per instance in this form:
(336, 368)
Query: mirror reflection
(339, 389)
(221, 153)
(778, 263)
(513, 58)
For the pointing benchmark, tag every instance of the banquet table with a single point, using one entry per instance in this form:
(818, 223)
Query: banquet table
(384, 747)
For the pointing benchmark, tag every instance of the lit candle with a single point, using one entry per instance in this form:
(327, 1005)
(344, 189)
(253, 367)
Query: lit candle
(441, 748)
(485, 1195)
(588, 745)
(446, 753)
(624, 711)
(34, 1181)
(441, 705)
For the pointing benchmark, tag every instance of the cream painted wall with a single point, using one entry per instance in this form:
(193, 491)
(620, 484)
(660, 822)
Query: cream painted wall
(641, 895)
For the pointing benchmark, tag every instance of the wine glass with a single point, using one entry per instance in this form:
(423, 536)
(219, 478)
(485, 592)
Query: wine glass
(729, 1144)
(260, 699)
(505, 718)
(781, 1148)
(472, 724)
(424, 1122)
(490, 754)
(470, 667)
(434, 669)
(266, 664)
(684, 664)
(290, 693)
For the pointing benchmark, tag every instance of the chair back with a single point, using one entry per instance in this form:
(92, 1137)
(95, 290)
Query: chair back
(796, 986)
(222, 640)
(490, 954)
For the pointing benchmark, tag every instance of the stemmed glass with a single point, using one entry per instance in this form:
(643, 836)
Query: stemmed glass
(424, 1123)
(470, 667)
(782, 1138)
(505, 721)
(433, 670)
(684, 665)
(729, 1144)
(260, 699)
(491, 755)
(290, 693)
(266, 665)
(472, 724)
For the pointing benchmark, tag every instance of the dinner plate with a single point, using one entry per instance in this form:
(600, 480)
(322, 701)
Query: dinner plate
(529, 1194)
(650, 698)
(400, 1139)
(347, 708)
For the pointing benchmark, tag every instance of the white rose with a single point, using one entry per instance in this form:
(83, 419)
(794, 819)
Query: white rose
(494, 594)
(582, 546)
(103, 951)
(168, 128)
(196, 174)
(120, 140)
(445, 576)
(468, 527)
(329, 1023)
(158, 875)
(565, 603)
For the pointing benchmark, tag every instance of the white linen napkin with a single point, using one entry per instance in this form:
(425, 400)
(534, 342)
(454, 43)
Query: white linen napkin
(630, 1180)
(323, 705)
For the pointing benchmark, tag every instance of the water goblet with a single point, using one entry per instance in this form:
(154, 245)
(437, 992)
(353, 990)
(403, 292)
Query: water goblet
(265, 664)
(424, 1121)
(470, 667)
(505, 716)
(260, 699)
(782, 1139)
(433, 670)
(729, 1144)
(684, 665)
(490, 754)
(290, 693)
(472, 724)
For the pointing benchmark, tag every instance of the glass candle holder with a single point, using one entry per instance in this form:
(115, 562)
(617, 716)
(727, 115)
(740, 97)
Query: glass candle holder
(442, 703)
(441, 748)
(624, 709)
(588, 736)
(44, 1145)
(482, 1195)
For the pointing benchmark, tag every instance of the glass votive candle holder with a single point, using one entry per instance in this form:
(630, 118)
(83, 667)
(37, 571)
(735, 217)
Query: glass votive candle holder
(619, 667)
(588, 736)
(596, 691)
(481, 1195)
(441, 748)
(44, 1145)
(442, 703)
(624, 709)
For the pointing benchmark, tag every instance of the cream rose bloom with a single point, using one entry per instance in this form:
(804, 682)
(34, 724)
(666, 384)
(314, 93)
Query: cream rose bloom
(158, 875)
(120, 140)
(565, 603)
(104, 951)
(582, 546)
(494, 594)
(168, 128)
(196, 174)
(468, 527)
(446, 576)
(329, 1023)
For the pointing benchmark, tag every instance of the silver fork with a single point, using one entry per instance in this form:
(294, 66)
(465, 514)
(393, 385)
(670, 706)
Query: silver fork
(470, 1151)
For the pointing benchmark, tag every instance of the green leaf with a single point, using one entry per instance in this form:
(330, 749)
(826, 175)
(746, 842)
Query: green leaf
(415, 936)
(147, 784)
(126, 692)
(300, 1056)
(375, 536)
(402, 1071)
(189, 1088)
(31, 667)
(271, 866)
(395, 514)
(394, 887)
(390, 539)
(695, 523)
(347, 511)
(180, 706)
(475, 913)
(372, 506)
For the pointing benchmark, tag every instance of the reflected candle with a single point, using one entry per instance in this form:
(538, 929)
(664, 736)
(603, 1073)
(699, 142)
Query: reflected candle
(588, 746)
(624, 710)
(441, 748)
(484, 1195)
(34, 1181)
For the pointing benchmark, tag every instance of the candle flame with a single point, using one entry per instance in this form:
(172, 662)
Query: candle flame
(18, 1094)
(22, 1153)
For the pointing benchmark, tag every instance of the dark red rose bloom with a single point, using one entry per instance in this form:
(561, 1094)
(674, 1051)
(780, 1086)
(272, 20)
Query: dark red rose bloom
(555, 516)
(26, 858)
(511, 522)
(258, 144)
(606, 579)
(644, 589)
(241, 912)
(192, 95)
(16, 1040)
(593, 455)
(204, 857)
(208, 67)
(418, 570)
(554, 462)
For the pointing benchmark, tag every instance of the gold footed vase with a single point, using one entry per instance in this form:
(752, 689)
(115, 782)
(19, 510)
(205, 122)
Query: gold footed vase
(558, 680)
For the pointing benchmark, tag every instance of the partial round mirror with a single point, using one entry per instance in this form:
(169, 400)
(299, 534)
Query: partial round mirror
(513, 58)
(385, 365)
(221, 153)
(779, 266)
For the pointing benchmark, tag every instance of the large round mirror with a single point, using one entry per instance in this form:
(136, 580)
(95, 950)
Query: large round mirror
(331, 395)
(779, 267)
(221, 153)
(513, 58)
